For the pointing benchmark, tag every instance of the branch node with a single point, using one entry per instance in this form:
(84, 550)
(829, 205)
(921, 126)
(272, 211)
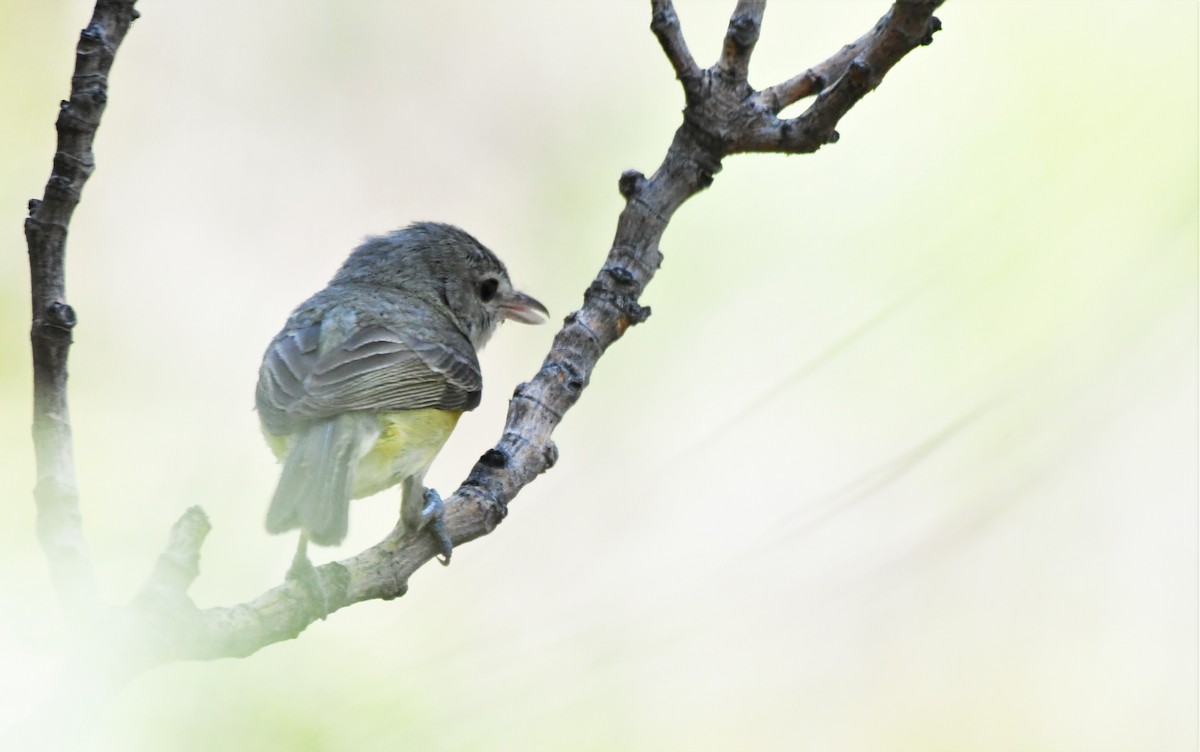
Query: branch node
(629, 311)
(740, 38)
(859, 71)
(179, 563)
(494, 458)
(743, 31)
(570, 376)
(60, 316)
(631, 183)
(663, 18)
(935, 25)
(620, 275)
(550, 454)
(632, 315)
(92, 33)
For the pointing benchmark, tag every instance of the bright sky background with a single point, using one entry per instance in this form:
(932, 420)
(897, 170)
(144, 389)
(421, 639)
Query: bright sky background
(905, 458)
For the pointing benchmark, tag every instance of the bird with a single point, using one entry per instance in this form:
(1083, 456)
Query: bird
(362, 386)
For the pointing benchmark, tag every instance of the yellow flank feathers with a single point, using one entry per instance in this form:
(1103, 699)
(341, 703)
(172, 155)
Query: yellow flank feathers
(406, 446)
(407, 442)
(279, 444)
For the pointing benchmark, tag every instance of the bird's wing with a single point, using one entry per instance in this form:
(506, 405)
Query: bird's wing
(377, 368)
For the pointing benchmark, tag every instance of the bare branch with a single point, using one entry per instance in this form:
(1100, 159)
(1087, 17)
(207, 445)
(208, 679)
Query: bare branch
(715, 124)
(907, 26)
(60, 528)
(843, 79)
(723, 116)
(179, 563)
(744, 27)
(776, 98)
(665, 25)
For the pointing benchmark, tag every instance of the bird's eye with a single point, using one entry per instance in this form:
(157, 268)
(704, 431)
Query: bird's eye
(487, 289)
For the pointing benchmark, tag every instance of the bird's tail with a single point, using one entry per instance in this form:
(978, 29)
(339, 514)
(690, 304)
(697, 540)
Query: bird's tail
(317, 481)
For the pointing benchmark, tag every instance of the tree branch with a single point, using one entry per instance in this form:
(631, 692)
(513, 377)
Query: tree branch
(715, 124)
(776, 98)
(665, 25)
(59, 524)
(724, 115)
(839, 82)
(744, 27)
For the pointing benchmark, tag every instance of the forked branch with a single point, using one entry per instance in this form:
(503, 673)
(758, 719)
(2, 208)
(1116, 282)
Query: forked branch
(724, 115)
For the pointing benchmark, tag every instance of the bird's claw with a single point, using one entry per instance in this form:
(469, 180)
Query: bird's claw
(433, 519)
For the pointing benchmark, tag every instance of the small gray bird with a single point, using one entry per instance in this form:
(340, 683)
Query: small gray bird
(368, 377)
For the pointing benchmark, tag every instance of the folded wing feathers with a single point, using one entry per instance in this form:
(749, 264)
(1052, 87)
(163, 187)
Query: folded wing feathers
(375, 369)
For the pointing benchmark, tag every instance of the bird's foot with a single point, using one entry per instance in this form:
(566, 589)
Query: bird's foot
(303, 572)
(433, 519)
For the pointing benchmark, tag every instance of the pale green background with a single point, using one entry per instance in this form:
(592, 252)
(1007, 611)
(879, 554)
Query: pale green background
(905, 458)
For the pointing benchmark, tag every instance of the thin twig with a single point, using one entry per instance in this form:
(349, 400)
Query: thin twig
(664, 22)
(740, 38)
(908, 25)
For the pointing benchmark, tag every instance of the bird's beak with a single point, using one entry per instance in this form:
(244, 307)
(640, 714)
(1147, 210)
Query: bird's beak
(517, 306)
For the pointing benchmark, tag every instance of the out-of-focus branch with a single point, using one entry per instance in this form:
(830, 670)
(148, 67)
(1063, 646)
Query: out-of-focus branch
(59, 524)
